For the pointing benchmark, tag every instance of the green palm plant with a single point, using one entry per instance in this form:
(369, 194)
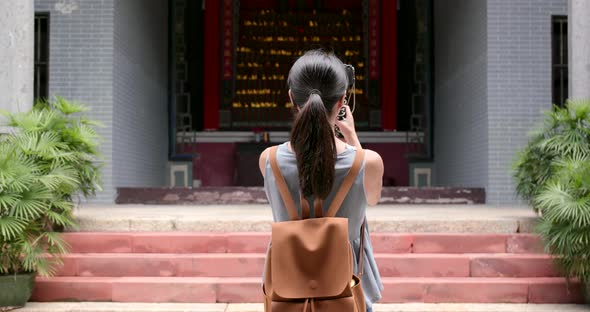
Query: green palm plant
(565, 221)
(48, 159)
(553, 174)
(563, 134)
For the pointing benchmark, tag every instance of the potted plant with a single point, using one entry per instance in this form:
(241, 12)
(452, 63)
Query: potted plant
(553, 174)
(47, 159)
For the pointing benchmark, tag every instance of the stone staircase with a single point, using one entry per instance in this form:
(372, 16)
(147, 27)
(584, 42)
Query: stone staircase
(226, 268)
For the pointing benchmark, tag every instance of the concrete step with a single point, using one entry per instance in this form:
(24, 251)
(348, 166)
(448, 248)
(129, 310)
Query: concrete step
(248, 290)
(251, 265)
(257, 218)
(256, 307)
(257, 242)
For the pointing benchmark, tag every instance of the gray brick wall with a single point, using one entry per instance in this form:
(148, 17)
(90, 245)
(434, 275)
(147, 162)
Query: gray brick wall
(140, 142)
(519, 82)
(460, 133)
(492, 83)
(112, 56)
(81, 66)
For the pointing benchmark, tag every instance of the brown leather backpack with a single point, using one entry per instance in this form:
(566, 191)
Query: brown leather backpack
(309, 264)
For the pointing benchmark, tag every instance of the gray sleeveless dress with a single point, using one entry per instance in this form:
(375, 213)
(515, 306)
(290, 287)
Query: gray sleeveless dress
(353, 208)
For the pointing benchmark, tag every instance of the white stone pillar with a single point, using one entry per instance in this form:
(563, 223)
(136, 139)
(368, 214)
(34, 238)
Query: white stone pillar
(579, 49)
(17, 21)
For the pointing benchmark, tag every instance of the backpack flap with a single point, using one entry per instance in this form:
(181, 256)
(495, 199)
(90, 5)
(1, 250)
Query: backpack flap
(311, 258)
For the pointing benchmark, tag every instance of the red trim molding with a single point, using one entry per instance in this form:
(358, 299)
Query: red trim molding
(227, 31)
(389, 65)
(212, 68)
(374, 38)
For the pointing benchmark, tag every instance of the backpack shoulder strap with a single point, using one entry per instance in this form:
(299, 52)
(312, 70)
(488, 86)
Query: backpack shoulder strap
(346, 184)
(304, 206)
(317, 206)
(282, 185)
(361, 258)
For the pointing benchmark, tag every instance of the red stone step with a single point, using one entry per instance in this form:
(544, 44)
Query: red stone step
(243, 290)
(181, 265)
(256, 242)
(251, 265)
(466, 265)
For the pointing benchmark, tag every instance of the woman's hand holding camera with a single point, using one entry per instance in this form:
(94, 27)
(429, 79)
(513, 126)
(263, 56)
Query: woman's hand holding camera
(347, 129)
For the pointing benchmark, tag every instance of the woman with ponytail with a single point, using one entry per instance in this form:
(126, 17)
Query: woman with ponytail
(314, 162)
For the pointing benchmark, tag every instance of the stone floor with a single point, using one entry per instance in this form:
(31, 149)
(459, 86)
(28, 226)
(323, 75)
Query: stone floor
(246, 218)
(219, 307)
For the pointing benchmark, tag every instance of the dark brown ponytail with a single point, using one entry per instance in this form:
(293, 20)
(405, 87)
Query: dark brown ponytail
(317, 82)
(312, 139)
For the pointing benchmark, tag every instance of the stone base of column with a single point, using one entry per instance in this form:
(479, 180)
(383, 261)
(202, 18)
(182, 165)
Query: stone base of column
(579, 49)
(16, 59)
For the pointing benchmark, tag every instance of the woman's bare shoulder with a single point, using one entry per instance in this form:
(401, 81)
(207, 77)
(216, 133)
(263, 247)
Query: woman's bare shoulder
(262, 160)
(373, 177)
(373, 159)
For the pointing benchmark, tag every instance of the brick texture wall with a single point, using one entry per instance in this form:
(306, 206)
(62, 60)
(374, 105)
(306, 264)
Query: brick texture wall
(81, 66)
(460, 133)
(492, 84)
(140, 141)
(111, 55)
(519, 82)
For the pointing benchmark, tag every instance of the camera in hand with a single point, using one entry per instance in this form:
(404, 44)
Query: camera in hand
(350, 75)
(342, 111)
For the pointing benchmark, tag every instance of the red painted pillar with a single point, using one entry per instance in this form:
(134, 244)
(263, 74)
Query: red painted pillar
(389, 64)
(212, 77)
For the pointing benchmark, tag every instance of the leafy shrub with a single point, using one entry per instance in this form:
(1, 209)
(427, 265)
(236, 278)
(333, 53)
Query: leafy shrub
(48, 159)
(553, 175)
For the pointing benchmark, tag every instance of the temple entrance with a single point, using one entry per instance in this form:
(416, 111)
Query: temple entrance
(230, 63)
(269, 37)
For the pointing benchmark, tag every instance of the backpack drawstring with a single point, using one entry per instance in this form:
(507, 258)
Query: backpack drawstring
(310, 301)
